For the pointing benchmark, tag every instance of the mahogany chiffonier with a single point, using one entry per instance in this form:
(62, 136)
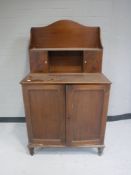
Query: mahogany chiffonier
(65, 95)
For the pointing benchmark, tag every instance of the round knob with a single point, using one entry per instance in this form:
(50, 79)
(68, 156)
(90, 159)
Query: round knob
(45, 61)
(85, 62)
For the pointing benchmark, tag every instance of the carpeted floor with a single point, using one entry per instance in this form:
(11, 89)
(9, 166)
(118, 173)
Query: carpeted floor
(15, 160)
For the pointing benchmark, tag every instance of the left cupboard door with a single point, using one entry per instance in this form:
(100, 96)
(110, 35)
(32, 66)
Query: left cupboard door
(45, 114)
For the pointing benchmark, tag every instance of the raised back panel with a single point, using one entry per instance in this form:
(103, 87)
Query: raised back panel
(65, 46)
(65, 34)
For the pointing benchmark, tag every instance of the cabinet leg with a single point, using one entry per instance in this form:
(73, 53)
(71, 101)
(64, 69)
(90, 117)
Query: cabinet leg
(100, 151)
(31, 151)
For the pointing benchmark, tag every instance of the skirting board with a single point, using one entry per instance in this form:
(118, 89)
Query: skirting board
(22, 119)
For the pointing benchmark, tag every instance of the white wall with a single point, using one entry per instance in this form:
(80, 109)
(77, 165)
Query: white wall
(18, 16)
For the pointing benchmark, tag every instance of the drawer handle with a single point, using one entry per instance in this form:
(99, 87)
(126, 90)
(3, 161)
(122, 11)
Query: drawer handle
(45, 61)
(85, 62)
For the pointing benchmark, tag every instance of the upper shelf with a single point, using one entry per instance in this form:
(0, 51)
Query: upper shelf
(65, 35)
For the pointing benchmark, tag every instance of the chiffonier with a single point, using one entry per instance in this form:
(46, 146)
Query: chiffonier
(65, 94)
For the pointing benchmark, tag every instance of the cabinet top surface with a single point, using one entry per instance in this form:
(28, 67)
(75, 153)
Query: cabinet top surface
(65, 78)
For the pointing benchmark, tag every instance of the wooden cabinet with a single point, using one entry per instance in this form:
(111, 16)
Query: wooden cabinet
(65, 95)
(66, 109)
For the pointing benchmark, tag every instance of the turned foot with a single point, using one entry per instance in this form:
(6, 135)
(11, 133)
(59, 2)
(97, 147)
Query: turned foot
(31, 151)
(100, 151)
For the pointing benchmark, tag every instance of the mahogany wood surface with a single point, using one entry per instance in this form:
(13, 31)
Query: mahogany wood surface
(45, 112)
(92, 61)
(85, 112)
(65, 61)
(39, 61)
(65, 78)
(65, 34)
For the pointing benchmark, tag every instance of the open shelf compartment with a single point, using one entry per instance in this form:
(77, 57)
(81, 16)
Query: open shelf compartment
(65, 61)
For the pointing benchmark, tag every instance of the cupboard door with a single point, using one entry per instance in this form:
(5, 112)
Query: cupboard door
(92, 61)
(86, 114)
(45, 113)
(38, 61)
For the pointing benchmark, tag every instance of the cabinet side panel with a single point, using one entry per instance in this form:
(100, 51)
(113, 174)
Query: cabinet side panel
(27, 113)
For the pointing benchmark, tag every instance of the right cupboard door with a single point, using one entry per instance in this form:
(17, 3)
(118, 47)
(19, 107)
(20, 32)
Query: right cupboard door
(86, 114)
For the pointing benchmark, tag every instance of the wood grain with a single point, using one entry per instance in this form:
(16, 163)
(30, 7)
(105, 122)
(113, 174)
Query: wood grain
(65, 34)
(46, 113)
(85, 113)
(65, 78)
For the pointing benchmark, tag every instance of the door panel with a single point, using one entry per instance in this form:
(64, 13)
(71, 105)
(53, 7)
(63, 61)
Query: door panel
(47, 113)
(85, 114)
